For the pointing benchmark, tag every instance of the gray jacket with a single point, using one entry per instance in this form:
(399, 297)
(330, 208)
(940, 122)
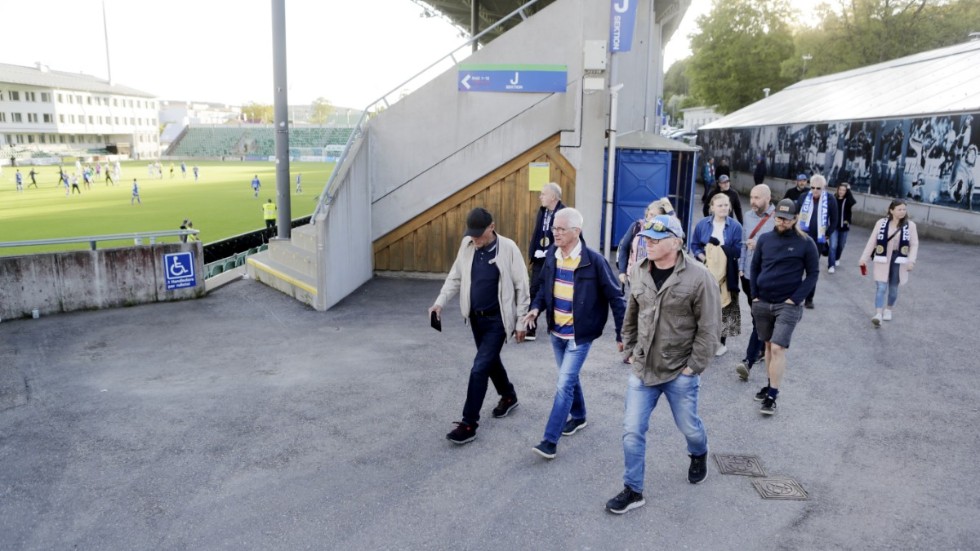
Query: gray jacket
(512, 289)
(751, 221)
(675, 327)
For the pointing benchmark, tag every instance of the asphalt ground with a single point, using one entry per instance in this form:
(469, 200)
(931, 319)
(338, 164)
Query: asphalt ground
(246, 420)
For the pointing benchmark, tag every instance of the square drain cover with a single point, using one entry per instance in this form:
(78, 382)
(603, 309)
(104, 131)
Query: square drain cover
(744, 465)
(780, 488)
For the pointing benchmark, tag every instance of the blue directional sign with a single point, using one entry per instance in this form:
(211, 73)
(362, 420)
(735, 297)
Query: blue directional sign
(178, 270)
(513, 78)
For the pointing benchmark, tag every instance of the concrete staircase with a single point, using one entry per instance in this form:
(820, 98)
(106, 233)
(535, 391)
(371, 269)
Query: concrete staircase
(289, 265)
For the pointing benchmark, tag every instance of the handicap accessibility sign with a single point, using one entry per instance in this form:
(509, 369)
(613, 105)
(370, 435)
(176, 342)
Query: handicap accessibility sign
(179, 270)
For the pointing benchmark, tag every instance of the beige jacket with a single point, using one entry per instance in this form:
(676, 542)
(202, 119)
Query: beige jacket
(879, 270)
(675, 327)
(512, 289)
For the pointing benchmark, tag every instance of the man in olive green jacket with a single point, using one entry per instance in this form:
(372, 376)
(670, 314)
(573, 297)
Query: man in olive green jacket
(673, 318)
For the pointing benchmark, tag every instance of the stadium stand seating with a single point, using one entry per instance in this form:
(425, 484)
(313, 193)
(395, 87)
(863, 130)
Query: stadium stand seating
(218, 141)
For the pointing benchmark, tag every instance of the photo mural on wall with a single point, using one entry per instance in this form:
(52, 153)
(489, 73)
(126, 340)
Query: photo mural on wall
(927, 159)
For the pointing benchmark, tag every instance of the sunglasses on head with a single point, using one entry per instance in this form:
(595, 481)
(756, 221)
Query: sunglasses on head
(659, 226)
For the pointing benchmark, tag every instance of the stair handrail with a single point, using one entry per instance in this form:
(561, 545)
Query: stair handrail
(330, 189)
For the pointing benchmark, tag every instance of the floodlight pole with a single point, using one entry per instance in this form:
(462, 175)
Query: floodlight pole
(280, 108)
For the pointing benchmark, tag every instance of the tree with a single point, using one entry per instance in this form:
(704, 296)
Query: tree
(858, 33)
(321, 111)
(258, 113)
(738, 52)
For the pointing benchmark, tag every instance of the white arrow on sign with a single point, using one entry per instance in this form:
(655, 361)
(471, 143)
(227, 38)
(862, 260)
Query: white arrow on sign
(466, 81)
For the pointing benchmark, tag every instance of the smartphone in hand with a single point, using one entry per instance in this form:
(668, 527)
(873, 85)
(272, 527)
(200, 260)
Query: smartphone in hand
(435, 322)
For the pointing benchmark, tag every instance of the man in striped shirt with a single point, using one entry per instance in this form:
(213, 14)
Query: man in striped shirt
(577, 289)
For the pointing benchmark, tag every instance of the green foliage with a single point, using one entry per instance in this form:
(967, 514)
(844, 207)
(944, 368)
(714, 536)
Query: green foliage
(258, 113)
(321, 111)
(738, 52)
(858, 33)
(221, 203)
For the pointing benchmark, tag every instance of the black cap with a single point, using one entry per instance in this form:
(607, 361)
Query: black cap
(477, 222)
(786, 209)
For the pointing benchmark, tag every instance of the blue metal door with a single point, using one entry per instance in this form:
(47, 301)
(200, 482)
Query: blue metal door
(642, 176)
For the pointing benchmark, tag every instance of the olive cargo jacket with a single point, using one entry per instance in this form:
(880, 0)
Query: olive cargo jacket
(672, 328)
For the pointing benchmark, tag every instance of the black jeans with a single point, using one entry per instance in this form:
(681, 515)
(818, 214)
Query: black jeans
(489, 334)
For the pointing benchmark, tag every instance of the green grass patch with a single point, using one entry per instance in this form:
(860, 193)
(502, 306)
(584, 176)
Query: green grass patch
(220, 203)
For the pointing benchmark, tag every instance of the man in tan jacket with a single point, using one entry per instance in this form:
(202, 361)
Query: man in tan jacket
(491, 278)
(673, 318)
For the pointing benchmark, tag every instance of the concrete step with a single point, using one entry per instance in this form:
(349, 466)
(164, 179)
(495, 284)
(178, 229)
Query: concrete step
(304, 237)
(299, 259)
(263, 267)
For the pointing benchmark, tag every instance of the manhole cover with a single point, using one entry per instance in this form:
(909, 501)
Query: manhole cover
(744, 465)
(780, 488)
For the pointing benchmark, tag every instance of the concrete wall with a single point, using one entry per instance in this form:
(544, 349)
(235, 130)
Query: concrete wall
(83, 280)
(932, 221)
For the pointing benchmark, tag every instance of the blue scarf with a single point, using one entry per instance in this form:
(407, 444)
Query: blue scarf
(823, 220)
(902, 253)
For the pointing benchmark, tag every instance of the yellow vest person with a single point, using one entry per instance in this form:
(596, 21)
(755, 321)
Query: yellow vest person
(269, 213)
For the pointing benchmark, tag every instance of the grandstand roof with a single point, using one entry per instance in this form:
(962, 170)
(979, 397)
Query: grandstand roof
(946, 80)
(492, 11)
(43, 77)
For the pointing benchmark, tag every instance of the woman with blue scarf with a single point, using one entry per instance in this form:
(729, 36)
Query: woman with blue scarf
(892, 248)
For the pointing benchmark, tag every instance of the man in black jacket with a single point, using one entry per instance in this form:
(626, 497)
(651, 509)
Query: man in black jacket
(781, 259)
(542, 237)
(724, 186)
(760, 171)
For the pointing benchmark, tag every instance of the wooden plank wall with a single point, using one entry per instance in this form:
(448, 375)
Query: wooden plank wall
(429, 242)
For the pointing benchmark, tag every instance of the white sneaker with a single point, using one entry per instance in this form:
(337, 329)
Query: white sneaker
(837, 263)
(721, 350)
(830, 270)
(876, 321)
(887, 316)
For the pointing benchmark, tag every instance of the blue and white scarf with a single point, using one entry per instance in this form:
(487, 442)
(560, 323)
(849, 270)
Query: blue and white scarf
(805, 213)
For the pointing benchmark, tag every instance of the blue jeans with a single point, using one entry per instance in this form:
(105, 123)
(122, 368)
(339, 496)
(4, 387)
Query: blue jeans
(891, 286)
(682, 395)
(489, 334)
(837, 241)
(568, 397)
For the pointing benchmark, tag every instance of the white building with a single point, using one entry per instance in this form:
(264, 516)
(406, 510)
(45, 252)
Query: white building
(184, 113)
(54, 112)
(696, 117)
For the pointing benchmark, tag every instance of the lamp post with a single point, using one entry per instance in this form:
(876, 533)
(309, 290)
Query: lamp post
(806, 57)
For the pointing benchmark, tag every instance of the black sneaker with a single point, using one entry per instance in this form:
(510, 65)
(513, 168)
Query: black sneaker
(626, 500)
(574, 425)
(742, 369)
(808, 304)
(546, 449)
(762, 394)
(768, 406)
(505, 406)
(462, 434)
(698, 470)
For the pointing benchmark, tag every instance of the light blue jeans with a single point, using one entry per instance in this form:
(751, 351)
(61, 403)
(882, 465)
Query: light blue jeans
(568, 397)
(682, 395)
(891, 287)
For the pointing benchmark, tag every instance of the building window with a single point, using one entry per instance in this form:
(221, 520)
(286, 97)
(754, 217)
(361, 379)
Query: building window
(16, 117)
(30, 138)
(91, 119)
(88, 100)
(61, 138)
(46, 98)
(48, 117)
(20, 138)
(79, 98)
(14, 95)
(30, 96)
(41, 139)
(3, 117)
(32, 117)
(71, 139)
(61, 119)
(115, 102)
(71, 119)
(61, 99)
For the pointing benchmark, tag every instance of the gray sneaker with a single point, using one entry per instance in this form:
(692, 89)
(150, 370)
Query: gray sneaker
(742, 369)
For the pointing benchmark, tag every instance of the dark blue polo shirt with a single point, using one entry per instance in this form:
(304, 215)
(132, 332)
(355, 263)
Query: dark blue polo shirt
(484, 278)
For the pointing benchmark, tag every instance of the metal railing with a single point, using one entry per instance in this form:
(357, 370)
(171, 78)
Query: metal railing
(330, 190)
(137, 237)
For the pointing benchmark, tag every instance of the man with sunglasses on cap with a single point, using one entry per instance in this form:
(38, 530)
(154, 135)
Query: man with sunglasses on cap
(794, 193)
(491, 278)
(671, 329)
(782, 258)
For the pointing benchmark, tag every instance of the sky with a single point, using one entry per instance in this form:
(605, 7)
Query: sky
(221, 50)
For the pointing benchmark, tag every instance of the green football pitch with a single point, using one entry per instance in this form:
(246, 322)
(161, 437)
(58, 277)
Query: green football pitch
(220, 203)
